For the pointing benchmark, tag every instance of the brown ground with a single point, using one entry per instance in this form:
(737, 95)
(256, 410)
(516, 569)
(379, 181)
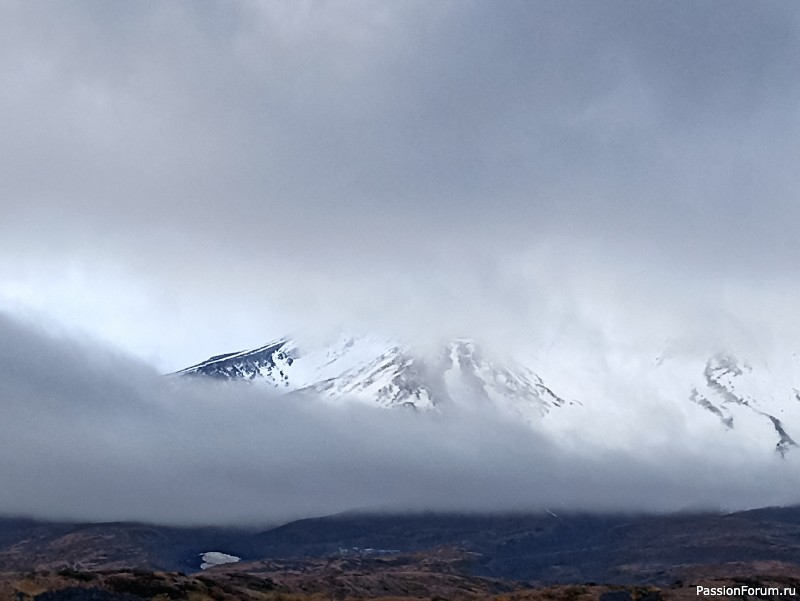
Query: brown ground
(435, 578)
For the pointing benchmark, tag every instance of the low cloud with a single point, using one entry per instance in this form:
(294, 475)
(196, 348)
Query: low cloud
(87, 434)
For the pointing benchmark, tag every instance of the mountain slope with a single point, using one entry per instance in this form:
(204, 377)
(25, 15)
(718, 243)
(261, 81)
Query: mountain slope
(527, 546)
(759, 405)
(736, 393)
(389, 374)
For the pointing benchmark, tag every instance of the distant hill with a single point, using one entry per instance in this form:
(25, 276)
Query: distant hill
(546, 548)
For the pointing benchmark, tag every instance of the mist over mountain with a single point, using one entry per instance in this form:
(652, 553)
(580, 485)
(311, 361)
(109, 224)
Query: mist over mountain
(94, 435)
(760, 407)
(389, 374)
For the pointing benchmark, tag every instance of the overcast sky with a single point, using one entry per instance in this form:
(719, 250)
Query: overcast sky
(184, 179)
(592, 181)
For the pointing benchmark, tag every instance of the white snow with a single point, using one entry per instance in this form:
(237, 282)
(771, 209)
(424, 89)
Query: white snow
(577, 399)
(215, 558)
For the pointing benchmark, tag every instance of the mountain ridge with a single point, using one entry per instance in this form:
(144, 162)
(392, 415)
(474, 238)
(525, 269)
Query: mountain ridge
(751, 401)
(385, 372)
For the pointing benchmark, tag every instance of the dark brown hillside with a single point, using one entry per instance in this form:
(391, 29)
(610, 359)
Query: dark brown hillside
(533, 548)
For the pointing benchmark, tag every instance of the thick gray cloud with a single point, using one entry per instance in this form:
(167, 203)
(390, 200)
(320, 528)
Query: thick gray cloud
(246, 168)
(89, 434)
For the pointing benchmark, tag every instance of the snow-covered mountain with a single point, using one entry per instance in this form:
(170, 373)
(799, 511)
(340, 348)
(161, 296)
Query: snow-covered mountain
(737, 395)
(760, 406)
(390, 374)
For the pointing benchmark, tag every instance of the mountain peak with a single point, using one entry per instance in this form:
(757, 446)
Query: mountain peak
(388, 373)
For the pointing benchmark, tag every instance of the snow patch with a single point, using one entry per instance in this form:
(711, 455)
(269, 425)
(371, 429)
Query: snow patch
(215, 558)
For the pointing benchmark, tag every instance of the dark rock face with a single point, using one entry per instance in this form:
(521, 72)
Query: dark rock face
(264, 362)
(84, 594)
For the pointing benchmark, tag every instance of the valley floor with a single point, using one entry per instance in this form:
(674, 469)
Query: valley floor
(260, 583)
